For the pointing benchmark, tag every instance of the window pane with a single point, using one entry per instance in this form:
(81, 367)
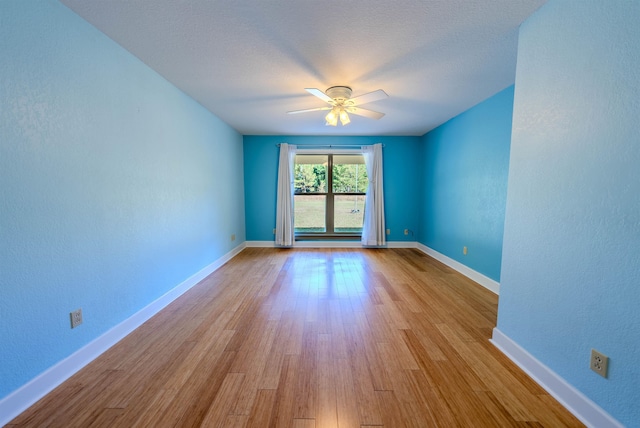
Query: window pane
(309, 213)
(348, 213)
(310, 173)
(349, 174)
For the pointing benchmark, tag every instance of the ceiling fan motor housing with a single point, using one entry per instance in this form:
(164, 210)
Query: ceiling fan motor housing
(339, 93)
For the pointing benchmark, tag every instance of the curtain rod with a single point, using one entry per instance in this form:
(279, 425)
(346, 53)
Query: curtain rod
(330, 146)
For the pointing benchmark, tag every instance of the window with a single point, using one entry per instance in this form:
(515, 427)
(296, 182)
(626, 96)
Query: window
(329, 194)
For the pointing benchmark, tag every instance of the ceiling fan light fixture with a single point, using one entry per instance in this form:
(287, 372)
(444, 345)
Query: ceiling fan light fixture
(344, 117)
(332, 117)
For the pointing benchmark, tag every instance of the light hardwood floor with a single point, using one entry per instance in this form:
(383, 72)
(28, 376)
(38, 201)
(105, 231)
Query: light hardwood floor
(310, 338)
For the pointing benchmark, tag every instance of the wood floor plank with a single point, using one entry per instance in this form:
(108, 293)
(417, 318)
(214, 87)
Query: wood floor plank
(410, 406)
(156, 409)
(260, 415)
(106, 418)
(307, 379)
(205, 382)
(253, 362)
(220, 409)
(390, 409)
(274, 361)
(236, 421)
(327, 410)
(304, 423)
(364, 353)
(310, 338)
(346, 399)
(364, 375)
(285, 401)
(439, 414)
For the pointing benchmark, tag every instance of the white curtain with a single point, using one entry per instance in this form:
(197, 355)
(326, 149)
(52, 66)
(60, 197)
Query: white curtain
(373, 230)
(284, 205)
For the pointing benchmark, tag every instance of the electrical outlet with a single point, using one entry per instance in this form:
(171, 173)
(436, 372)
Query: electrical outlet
(274, 230)
(233, 237)
(406, 231)
(599, 363)
(464, 250)
(76, 318)
(388, 231)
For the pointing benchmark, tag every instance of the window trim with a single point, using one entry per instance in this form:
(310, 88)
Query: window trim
(330, 233)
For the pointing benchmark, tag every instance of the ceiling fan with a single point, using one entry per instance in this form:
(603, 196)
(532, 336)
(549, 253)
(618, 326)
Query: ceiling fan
(341, 103)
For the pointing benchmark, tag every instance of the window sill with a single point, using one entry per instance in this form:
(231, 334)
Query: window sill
(328, 237)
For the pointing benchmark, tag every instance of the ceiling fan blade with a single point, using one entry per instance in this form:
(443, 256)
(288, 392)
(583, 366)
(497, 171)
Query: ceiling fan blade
(369, 97)
(318, 93)
(365, 112)
(309, 109)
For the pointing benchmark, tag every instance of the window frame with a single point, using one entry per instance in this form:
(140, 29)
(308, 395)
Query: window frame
(329, 232)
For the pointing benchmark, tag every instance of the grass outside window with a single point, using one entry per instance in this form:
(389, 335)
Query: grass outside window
(329, 195)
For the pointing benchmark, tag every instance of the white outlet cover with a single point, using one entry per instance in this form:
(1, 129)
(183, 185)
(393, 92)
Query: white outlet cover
(599, 363)
(76, 318)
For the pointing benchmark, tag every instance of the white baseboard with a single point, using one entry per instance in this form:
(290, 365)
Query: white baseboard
(576, 402)
(402, 244)
(25, 396)
(485, 281)
(261, 244)
(333, 244)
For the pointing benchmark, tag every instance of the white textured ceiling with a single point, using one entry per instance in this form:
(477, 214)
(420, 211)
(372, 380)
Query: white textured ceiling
(248, 61)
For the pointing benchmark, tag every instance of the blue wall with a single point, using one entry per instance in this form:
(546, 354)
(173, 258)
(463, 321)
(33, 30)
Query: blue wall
(571, 264)
(115, 187)
(465, 167)
(400, 164)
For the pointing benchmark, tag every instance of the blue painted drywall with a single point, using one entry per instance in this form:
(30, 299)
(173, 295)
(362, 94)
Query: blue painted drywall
(115, 186)
(464, 184)
(571, 265)
(401, 171)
